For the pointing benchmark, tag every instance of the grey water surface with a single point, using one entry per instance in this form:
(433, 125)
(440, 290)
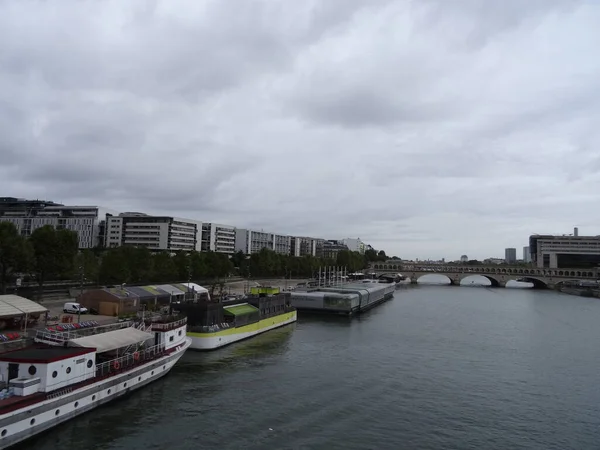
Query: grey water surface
(437, 367)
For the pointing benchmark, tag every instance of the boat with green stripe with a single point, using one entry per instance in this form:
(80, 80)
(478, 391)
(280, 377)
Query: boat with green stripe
(214, 324)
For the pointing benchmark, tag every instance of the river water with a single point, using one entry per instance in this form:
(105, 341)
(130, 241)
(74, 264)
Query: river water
(437, 367)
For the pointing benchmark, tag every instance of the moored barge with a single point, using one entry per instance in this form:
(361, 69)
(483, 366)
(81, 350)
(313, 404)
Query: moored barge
(213, 324)
(345, 299)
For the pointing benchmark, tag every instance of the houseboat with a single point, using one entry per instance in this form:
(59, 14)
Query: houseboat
(71, 369)
(213, 324)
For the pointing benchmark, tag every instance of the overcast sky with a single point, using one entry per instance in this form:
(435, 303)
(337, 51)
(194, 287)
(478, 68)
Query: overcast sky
(429, 128)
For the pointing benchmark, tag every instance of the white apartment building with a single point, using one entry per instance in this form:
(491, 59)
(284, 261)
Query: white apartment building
(218, 238)
(28, 215)
(354, 245)
(154, 232)
(249, 241)
(302, 246)
(568, 251)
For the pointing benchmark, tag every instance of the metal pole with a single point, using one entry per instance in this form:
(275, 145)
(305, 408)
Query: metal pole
(80, 294)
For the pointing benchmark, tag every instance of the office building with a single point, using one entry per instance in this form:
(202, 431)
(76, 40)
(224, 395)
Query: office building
(331, 248)
(218, 238)
(28, 215)
(153, 232)
(354, 245)
(303, 246)
(510, 255)
(567, 251)
(250, 241)
(526, 255)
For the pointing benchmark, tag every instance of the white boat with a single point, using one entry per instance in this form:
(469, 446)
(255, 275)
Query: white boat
(69, 372)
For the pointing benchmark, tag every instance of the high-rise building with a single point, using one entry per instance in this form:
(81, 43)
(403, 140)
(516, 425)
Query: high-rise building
(28, 215)
(303, 246)
(218, 238)
(153, 232)
(250, 241)
(566, 251)
(510, 255)
(526, 255)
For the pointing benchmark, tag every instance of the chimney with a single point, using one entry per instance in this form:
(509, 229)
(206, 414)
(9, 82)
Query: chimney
(575, 231)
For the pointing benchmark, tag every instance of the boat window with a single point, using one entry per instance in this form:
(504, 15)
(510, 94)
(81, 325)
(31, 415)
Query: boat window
(32, 370)
(54, 374)
(89, 364)
(68, 370)
(4, 433)
(171, 338)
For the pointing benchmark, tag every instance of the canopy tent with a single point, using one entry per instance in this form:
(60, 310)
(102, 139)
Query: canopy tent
(196, 288)
(112, 340)
(14, 305)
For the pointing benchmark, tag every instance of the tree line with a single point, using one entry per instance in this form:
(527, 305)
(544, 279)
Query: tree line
(51, 254)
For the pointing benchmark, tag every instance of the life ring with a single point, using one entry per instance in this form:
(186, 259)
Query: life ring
(136, 356)
(116, 365)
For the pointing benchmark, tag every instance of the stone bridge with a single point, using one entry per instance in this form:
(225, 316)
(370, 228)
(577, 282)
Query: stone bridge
(498, 275)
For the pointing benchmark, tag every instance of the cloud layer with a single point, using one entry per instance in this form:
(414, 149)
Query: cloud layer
(430, 129)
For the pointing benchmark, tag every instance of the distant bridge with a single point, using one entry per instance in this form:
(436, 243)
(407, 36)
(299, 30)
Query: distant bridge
(497, 274)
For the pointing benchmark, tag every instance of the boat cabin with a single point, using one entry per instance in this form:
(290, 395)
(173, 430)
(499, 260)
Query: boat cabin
(44, 369)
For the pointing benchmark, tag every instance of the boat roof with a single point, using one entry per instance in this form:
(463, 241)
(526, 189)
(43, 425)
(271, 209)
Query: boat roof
(240, 309)
(43, 354)
(15, 305)
(112, 340)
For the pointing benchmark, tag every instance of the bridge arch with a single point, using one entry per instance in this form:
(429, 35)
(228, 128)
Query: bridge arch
(493, 280)
(537, 283)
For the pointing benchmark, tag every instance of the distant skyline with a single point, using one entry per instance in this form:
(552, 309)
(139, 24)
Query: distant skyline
(429, 129)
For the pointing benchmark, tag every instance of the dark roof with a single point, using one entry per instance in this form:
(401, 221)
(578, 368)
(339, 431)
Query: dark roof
(43, 354)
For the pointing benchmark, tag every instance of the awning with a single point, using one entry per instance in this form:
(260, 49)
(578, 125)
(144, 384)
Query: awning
(112, 340)
(240, 310)
(14, 305)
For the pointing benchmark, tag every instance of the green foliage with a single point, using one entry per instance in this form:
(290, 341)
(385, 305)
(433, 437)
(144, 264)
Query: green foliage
(54, 253)
(353, 261)
(16, 254)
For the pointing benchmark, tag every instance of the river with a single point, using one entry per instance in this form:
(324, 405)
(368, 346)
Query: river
(437, 367)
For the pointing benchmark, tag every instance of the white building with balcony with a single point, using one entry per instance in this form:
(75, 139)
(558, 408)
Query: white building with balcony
(218, 238)
(153, 232)
(250, 241)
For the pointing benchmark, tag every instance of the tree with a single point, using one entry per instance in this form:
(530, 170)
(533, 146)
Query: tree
(114, 267)
(54, 253)
(15, 254)
(164, 267)
(87, 262)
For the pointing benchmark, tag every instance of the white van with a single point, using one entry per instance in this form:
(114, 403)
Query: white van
(74, 308)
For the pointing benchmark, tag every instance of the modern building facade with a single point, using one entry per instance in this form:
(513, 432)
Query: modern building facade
(354, 245)
(250, 241)
(510, 255)
(331, 248)
(303, 246)
(526, 255)
(153, 232)
(568, 251)
(218, 238)
(28, 215)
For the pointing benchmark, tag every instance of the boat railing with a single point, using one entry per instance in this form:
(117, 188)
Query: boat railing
(165, 326)
(59, 337)
(129, 360)
(211, 328)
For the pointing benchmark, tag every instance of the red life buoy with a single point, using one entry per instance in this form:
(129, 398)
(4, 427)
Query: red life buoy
(116, 365)
(136, 356)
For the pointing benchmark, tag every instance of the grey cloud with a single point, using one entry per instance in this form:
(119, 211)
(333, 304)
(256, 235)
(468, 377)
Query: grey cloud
(430, 128)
